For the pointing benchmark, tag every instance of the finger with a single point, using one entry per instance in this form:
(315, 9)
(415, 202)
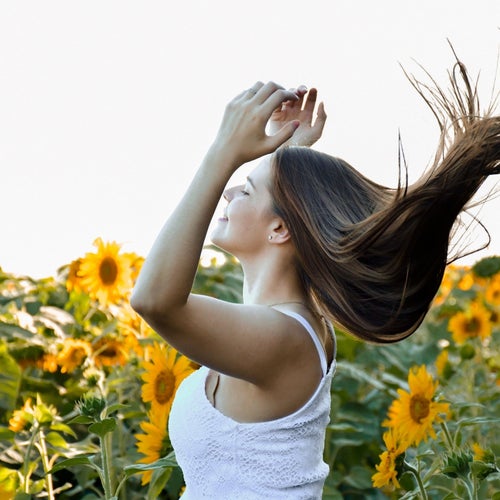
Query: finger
(253, 90)
(319, 123)
(275, 100)
(283, 134)
(269, 89)
(301, 90)
(278, 114)
(321, 115)
(310, 102)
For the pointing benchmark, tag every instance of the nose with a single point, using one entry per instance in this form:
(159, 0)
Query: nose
(228, 194)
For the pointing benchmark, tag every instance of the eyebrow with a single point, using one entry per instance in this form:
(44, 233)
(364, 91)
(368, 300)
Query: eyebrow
(251, 182)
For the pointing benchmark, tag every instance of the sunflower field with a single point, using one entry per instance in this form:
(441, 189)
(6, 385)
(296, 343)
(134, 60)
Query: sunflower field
(87, 386)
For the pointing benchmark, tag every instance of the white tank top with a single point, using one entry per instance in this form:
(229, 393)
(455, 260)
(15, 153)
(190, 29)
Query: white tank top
(223, 459)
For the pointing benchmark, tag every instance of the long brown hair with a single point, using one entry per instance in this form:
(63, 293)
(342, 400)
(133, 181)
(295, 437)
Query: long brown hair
(371, 257)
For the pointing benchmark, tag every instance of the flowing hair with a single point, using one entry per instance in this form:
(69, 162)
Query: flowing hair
(372, 258)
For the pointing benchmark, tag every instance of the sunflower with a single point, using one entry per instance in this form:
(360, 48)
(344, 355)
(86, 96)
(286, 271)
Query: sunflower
(106, 275)
(47, 363)
(493, 292)
(479, 452)
(20, 418)
(154, 443)
(446, 286)
(387, 468)
(131, 328)
(109, 351)
(475, 322)
(73, 281)
(72, 354)
(164, 372)
(466, 282)
(442, 362)
(136, 262)
(414, 412)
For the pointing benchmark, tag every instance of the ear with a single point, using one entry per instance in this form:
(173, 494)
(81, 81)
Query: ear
(279, 232)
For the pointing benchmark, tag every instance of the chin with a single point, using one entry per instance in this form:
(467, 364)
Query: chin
(218, 241)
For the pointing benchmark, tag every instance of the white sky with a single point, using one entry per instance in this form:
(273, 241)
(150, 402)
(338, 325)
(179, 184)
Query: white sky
(107, 107)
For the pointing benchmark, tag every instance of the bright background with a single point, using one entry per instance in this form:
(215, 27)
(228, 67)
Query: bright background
(107, 107)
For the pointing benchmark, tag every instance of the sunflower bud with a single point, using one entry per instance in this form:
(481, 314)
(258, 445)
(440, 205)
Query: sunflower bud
(91, 407)
(467, 351)
(458, 464)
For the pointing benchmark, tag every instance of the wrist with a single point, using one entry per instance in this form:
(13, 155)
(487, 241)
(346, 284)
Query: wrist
(225, 160)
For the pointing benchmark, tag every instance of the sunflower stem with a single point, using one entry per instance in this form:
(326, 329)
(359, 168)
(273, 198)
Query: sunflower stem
(417, 477)
(470, 488)
(42, 448)
(26, 464)
(448, 439)
(107, 465)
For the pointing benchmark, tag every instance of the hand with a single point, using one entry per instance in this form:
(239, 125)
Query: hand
(242, 134)
(302, 110)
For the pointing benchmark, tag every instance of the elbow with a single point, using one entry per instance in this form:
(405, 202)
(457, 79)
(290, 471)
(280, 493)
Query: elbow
(144, 304)
(138, 302)
(153, 308)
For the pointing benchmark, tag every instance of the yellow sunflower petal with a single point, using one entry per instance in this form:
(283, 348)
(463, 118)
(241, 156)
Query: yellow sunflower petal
(413, 414)
(153, 443)
(163, 374)
(473, 323)
(106, 275)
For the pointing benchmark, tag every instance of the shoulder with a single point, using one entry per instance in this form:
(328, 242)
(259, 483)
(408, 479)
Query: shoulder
(251, 342)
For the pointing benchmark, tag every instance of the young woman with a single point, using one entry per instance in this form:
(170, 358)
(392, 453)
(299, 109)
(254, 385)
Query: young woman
(318, 242)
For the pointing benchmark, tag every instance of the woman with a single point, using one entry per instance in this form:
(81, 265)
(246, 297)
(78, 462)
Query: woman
(317, 241)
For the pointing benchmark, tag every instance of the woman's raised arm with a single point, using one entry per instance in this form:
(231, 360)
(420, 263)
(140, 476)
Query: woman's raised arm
(208, 330)
(166, 278)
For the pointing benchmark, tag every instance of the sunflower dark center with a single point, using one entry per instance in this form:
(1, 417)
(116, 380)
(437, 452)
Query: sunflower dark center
(108, 270)
(76, 355)
(164, 386)
(472, 326)
(109, 351)
(419, 407)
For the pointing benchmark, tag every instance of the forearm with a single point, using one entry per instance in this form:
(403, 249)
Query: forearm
(167, 275)
(168, 272)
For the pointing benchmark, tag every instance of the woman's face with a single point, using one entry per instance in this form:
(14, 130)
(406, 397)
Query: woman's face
(246, 223)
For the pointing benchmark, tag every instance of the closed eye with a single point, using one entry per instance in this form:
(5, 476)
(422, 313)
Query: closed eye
(245, 193)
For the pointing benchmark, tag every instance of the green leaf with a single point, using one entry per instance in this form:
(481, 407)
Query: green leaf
(168, 461)
(478, 421)
(103, 427)
(111, 409)
(158, 481)
(6, 434)
(81, 419)
(8, 330)
(359, 477)
(359, 374)
(487, 267)
(70, 462)
(55, 439)
(10, 380)
(59, 426)
(22, 496)
(331, 494)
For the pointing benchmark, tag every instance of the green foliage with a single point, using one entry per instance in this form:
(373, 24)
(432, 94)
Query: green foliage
(69, 430)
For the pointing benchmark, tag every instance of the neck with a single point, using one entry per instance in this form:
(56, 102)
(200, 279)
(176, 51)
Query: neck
(272, 282)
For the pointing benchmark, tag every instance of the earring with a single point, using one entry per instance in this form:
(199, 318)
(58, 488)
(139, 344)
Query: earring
(269, 237)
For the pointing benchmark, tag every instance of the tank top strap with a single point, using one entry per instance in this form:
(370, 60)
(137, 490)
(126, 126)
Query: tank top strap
(321, 351)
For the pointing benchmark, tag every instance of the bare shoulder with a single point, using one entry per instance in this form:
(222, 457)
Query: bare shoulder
(252, 342)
